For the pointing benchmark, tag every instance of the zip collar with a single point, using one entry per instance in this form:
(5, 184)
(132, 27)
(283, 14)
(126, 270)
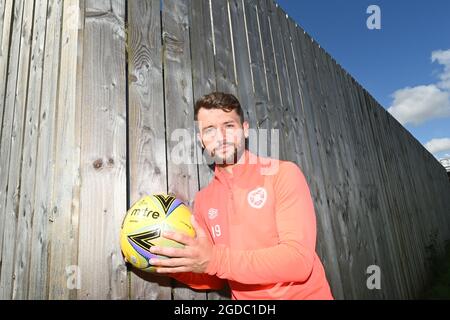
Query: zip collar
(248, 160)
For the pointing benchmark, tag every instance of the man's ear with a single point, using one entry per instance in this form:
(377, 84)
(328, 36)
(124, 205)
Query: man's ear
(246, 127)
(200, 140)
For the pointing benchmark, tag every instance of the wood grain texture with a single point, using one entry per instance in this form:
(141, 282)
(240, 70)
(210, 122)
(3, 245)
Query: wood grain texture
(103, 152)
(43, 202)
(182, 170)
(146, 129)
(64, 211)
(97, 110)
(29, 155)
(11, 210)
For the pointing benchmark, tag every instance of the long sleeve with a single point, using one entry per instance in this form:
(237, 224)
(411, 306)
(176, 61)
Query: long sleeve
(200, 281)
(292, 259)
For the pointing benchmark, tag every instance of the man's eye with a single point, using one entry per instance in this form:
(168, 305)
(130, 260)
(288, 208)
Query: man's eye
(230, 125)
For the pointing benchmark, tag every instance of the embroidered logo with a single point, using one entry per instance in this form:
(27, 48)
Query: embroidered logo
(257, 198)
(213, 213)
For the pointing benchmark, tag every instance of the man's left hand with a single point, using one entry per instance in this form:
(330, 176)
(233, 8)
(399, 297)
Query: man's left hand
(194, 257)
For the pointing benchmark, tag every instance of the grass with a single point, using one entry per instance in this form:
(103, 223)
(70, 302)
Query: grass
(440, 286)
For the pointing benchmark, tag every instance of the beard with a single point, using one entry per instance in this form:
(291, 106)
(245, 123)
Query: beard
(231, 155)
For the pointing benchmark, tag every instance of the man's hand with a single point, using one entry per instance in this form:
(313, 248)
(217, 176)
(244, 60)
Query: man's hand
(194, 257)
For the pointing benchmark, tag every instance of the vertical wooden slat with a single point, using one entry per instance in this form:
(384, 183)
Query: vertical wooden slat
(344, 218)
(377, 198)
(203, 72)
(224, 60)
(245, 92)
(181, 167)
(270, 69)
(284, 87)
(5, 33)
(13, 181)
(8, 104)
(292, 99)
(40, 239)
(28, 174)
(103, 152)
(257, 68)
(203, 82)
(387, 208)
(317, 178)
(147, 141)
(268, 141)
(64, 211)
(366, 236)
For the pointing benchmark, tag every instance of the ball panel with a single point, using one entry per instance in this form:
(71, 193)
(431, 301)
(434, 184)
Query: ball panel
(144, 223)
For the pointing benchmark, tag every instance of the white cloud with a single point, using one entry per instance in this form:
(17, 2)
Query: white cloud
(438, 145)
(443, 58)
(419, 104)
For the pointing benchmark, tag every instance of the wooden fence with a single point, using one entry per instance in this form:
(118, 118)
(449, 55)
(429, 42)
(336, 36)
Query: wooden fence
(91, 93)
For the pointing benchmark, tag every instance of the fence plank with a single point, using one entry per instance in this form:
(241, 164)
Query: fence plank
(274, 116)
(245, 92)
(181, 167)
(64, 212)
(13, 176)
(5, 29)
(103, 152)
(223, 46)
(147, 145)
(8, 109)
(45, 160)
(203, 72)
(317, 179)
(28, 174)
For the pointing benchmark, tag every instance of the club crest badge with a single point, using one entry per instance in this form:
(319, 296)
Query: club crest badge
(213, 213)
(257, 198)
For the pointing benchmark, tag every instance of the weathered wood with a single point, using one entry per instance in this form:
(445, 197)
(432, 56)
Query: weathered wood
(8, 109)
(146, 130)
(280, 45)
(13, 176)
(28, 174)
(273, 97)
(67, 174)
(203, 72)
(290, 97)
(223, 48)
(45, 160)
(65, 206)
(182, 171)
(103, 152)
(259, 84)
(5, 33)
(203, 82)
(317, 178)
(242, 68)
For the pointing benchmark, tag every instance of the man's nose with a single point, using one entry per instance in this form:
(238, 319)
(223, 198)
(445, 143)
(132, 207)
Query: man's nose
(221, 134)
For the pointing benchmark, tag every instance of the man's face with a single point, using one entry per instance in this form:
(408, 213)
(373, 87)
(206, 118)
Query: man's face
(222, 134)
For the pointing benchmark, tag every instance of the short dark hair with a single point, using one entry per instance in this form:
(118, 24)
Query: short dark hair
(219, 100)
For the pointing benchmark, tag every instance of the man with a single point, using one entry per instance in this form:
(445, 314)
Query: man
(255, 226)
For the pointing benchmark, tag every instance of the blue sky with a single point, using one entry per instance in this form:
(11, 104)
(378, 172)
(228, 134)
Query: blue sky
(405, 65)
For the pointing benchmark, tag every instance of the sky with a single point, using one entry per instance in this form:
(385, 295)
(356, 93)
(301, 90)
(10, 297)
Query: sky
(404, 64)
